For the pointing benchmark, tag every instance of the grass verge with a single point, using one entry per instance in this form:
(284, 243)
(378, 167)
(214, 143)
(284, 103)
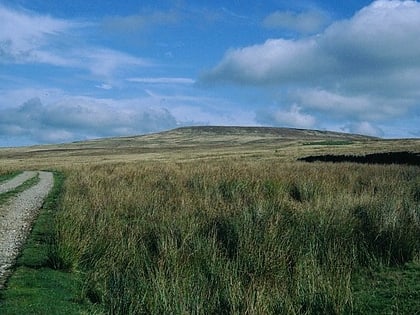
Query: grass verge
(388, 290)
(35, 287)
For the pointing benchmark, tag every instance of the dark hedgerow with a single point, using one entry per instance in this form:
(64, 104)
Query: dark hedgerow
(408, 158)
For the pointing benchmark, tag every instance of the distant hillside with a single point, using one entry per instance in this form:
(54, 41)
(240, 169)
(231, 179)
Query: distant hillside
(213, 142)
(226, 136)
(204, 136)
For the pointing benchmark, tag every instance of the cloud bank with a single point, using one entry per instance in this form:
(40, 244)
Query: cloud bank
(364, 69)
(55, 117)
(80, 119)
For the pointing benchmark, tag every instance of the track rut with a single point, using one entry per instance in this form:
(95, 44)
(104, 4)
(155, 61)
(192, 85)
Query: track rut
(17, 216)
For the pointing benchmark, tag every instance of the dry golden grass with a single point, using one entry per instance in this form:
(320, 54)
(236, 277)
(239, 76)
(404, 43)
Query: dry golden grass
(185, 145)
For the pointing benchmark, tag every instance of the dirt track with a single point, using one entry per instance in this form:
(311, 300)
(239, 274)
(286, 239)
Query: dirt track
(17, 215)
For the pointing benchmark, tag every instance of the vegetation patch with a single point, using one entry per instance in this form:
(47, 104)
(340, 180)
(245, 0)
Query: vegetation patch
(388, 290)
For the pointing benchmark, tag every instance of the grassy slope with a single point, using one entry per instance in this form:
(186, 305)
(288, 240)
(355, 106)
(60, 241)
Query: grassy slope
(34, 280)
(191, 144)
(257, 237)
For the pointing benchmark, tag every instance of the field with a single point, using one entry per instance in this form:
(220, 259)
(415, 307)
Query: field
(222, 221)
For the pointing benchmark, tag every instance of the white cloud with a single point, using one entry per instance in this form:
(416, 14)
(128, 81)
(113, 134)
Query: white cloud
(76, 118)
(304, 22)
(334, 104)
(380, 39)
(24, 35)
(366, 67)
(28, 37)
(276, 61)
(54, 116)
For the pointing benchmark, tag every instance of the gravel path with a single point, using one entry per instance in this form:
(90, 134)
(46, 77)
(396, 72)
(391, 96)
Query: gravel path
(16, 217)
(16, 181)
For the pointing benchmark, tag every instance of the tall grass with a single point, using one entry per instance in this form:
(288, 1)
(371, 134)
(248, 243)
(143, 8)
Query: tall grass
(234, 238)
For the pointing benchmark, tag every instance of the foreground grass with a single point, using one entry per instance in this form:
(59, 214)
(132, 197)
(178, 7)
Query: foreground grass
(37, 285)
(224, 238)
(241, 238)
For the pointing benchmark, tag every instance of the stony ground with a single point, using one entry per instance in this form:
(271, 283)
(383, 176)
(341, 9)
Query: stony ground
(17, 215)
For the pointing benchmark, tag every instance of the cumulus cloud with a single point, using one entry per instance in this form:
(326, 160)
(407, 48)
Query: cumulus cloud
(365, 67)
(80, 118)
(381, 38)
(372, 107)
(276, 61)
(53, 116)
(308, 22)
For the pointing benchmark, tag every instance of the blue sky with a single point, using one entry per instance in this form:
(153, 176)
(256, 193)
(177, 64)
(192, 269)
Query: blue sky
(75, 70)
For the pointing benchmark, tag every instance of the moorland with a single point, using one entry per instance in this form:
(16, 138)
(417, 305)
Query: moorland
(221, 220)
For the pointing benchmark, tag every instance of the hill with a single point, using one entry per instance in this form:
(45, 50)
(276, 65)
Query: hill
(210, 142)
(220, 135)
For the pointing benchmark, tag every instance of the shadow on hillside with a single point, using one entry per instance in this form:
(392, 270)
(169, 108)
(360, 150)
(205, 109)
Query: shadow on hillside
(407, 158)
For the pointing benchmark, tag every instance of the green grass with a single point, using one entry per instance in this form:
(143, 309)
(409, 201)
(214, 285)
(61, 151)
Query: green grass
(235, 238)
(37, 286)
(223, 238)
(4, 197)
(388, 290)
(41, 291)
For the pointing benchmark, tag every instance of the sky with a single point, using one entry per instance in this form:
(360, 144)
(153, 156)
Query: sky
(75, 70)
